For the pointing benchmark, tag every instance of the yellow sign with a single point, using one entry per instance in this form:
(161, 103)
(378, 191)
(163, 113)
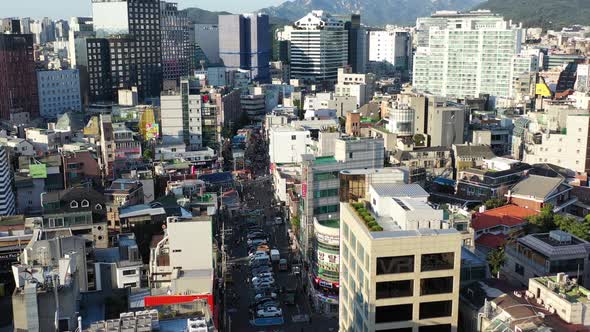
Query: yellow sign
(543, 90)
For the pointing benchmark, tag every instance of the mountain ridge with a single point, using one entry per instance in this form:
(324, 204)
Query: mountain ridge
(548, 14)
(373, 13)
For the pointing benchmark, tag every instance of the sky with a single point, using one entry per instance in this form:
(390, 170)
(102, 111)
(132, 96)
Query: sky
(67, 8)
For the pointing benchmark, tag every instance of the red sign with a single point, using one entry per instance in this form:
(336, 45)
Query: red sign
(304, 190)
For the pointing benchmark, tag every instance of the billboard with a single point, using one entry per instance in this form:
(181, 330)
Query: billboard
(152, 131)
(38, 171)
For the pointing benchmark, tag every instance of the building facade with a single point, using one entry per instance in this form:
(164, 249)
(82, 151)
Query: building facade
(396, 275)
(7, 198)
(466, 54)
(319, 46)
(244, 43)
(181, 115)
(175, 41)
(59, 92)
(132, 33)
(18, 89)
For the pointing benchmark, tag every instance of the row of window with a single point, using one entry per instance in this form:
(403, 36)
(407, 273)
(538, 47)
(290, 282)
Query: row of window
(404, 288)
(403, 312)
(405, 264)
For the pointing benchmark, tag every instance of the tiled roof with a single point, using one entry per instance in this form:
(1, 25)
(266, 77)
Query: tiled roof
(491, 241)
(507, 215)
(536, 186)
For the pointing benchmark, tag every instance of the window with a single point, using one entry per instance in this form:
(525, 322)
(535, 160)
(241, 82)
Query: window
(440, 261)
(389, 289)
(130, 284)
(74, 204)
(393, 313)
(519, 269)
(431, 286)
(435, 309)
(325, 209)
(398, 264)
(293, 137)
(325, 193)
(129, 272)
(85, 203)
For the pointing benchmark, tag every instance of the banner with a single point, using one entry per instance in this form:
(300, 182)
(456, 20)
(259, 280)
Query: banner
(38, 171)
(542, 90)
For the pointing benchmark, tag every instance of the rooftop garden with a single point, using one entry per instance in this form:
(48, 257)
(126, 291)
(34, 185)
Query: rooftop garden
(571, 292)
(369, 220)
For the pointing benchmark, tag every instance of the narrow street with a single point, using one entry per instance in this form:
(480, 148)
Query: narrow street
(259, 206)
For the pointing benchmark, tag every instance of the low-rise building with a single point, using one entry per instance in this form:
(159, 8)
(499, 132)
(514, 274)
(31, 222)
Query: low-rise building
(81, 211)
(174, 267)
(538, 255)
(564, 296)
(535, 192)
(482, 184)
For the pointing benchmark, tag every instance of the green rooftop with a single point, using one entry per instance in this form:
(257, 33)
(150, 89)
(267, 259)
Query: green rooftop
(573, 293)
(366, 216)
(325, 160)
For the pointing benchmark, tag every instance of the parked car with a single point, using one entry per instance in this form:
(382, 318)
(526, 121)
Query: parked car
(269, 295)
(269, 312)
(257, 280)
(264, 275)
(260, 269)
(257, 242)
(283, 266)
(278, 221)
(265, 283)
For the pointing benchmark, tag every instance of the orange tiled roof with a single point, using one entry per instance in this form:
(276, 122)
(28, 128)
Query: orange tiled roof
(507, 215)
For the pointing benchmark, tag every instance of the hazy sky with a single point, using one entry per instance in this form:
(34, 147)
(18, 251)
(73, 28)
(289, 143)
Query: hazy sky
(67, 8)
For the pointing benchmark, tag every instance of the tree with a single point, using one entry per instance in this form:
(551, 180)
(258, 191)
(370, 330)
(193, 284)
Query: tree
(542, 222)
(496, 259)
(548, 220)
(495, 202)
(148, 154)
(300, 112)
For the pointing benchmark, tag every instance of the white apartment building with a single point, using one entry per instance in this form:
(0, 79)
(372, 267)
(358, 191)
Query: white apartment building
(466, 54)
(359, 86)
(392, 46)
(181, 122)
(567, 148)
(59, 92)
(182, 260)
(287, 144)
(400, 267)
(319, 46)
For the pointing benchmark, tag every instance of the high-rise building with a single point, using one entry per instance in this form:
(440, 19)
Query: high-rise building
(319, 46)
(59, 92)
(132, 32)
(62, 30)
(320, 204)
(207, 37)
(245, 43)
(175, 41)
(400, 263)
(7, 200)
(467, 54)
(393, 48)
(357, 43)
(79, 28)
(18, 88)
(10, 25)
(181, 115)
